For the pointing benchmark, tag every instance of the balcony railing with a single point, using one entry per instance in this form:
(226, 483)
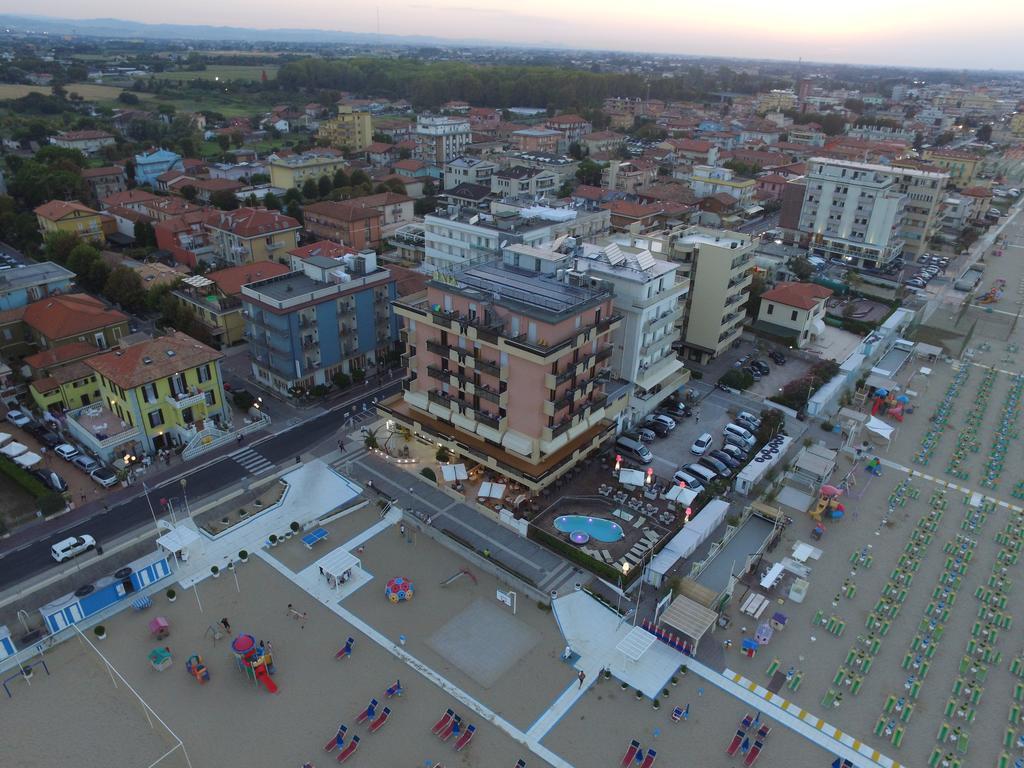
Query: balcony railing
(486, 366)
(186, 401)
(486, 419)
(489, 395)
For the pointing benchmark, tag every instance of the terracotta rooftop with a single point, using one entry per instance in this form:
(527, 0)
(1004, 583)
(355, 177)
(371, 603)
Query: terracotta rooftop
(72, 314)
(83, 135)
(324, 248)
(58, 209)
(251, 222)
(231, 280)
(799, 295)
(51, 358)
(342, 210)
(152, 359)
(97, 173)
(128, 197)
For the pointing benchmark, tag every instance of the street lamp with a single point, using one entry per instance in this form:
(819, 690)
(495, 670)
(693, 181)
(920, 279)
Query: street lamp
(184, 495)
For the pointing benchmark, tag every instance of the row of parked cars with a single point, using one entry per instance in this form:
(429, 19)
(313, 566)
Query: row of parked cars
(100, 474)
(758, 369)
(737, 443)
(929, 267)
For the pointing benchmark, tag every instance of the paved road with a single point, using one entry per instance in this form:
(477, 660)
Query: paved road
(29, 555)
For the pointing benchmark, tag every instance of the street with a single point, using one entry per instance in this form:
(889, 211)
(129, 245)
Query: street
(28, 554)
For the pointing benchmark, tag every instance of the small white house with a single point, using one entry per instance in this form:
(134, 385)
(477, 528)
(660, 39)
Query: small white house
(794, 310)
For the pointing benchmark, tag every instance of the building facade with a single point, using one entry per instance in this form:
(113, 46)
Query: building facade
(149, 165)
(469, 170)
(71, 217)
(348, 129)
(440, 140)
(86, 142)
(794, 311)
(483, 332)
(289, 171)
(350, 222)
(327, 316)
(250, 235)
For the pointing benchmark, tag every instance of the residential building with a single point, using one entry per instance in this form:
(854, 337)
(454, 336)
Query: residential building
(925, 189)
(565, 167)
(956, 211)
(250, 235)
(476, 335)
(467, 196)
(630, 177)
(380, 154)
(853, 211)
(348, 129)
(86, 142)
(472, 236)
(651, 299)
(794, 312)
(66, 384)
(603, 141)
(522, 181)
(536, 140)
(962, 166)
(33, 282)
(70, 318)
(287, 171)
(572, 127)
(980, 199)
(72, 217)
(215, 298)
(156, 394)
(186, 238)
(133, 199)
(469, 170)
(151, 164)
(708, 181)
(440, 140)
(719, 265)
(352, 223)
(328, 316)
(103, 182)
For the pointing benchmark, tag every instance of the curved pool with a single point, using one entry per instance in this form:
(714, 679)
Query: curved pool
(597, 528)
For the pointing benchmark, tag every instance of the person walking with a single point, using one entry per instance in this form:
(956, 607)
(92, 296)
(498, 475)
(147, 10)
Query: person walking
(401, 530)
(226, 624)
(582, 676)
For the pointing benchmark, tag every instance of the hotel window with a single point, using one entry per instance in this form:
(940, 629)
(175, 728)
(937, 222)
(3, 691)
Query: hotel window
(156, 418)
(211, 398)
(149, 393)
(204, 373)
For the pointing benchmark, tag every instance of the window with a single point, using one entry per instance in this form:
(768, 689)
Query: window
(149, 393)
(792, 315)
(204, 373)
(155, 418)
(211, 398)
(771, 308)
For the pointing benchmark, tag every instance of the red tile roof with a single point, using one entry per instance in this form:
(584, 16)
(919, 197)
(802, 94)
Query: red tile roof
(799, 295)
(97, 173)
(55, 210)
(348, 210)
(380, 148)
(129, 196)
(50, 358)
(73, 314)
(251, 222)
(410, 165)
(83, 135)
(327, 249)
(976, 192)
(231, 280)
(152, 359)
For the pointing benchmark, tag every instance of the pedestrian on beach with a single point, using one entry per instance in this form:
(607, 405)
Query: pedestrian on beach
(227, 626)
(401, 530)
(582, 676)
(239, 438)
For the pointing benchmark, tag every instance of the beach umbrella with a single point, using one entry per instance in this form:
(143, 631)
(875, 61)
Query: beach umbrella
(902, 399)
(881, 392)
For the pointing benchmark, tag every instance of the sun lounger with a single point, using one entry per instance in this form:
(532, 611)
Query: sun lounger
(446, 732)
(348, 751)
(443, 723)
(382, 718)
(520, 763)
(142, 603)
(465, 738)
(754, 753)
(677, 714)
(734, 745)
(311, 538)
(394, 690)
(630, 756)
(747, 721)
(369, 712)
(649, 760)
(330, 745)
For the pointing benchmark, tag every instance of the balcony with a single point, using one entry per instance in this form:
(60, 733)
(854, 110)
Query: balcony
(307, 322)
(183, 401)
(487, 419)
(486, 366)
(437, 348)
(489, 395)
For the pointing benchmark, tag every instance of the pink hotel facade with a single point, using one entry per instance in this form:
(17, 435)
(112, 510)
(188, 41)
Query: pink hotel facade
(510, 369)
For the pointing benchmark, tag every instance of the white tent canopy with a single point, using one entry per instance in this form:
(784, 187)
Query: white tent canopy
(491, 491)
(178, 540)
(4, 437)
(454, 472)
(631, 477)
(635, 644)
(13, 449)
(27, 460)
(681, 495)
(878, 427)
(337, 565)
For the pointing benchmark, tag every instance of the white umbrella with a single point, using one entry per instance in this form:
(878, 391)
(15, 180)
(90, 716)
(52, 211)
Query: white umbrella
(13, 449)
(27, 460)
(4, 437)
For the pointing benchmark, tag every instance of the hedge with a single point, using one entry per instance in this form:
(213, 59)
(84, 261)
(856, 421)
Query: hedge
(26, 481)
(573, 554)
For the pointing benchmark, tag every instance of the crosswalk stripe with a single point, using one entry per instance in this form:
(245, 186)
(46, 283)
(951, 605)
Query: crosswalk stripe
(251, 461)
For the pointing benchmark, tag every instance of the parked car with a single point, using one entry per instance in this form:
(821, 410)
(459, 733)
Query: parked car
(761, 366)
(718, 467)
(45, 436)
(72, 546)
(50, 479)
(691, 481)
(66, 451)
(661, 418)
(701, 444)
(748, 416)
(725, 458)
(742, 361)
(643, 434)
(85, 463)
(18, 418)
(657, 428)
(754, 373)
(105, 476)
(679, 410)
(750, 426)
(735, 451)
(777, 357)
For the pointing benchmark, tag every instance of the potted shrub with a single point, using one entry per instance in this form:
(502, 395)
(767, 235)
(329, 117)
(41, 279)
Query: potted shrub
(273, 539)
(214, 571)
(675, 681)
(100, 631)
(656, 704)
(243, 555)
(242, 512)
(171, 595)
(664, 693)
(624, 686)
(27, 672)
(607, 673)
(294, 527)
(682, 670)
(639, 694)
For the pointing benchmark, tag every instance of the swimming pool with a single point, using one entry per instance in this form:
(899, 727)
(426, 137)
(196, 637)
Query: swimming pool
(598, 528)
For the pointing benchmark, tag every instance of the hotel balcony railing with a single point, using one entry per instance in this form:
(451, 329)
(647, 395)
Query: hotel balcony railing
(437, 348)
(185, 400)
(486, 366)
(486, 419)
(561, 428)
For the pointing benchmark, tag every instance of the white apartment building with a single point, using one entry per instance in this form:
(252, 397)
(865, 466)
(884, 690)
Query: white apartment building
(853, 211)
(707, 180)
(719, 266)
(469, 170)
(441, 139)
(651, 298)
(922, 210)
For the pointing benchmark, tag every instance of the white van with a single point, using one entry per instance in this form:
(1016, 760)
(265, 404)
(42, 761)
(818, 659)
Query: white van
(703, 473)
(695, 485)
(72, 546)
(634, 449)
(740, 432)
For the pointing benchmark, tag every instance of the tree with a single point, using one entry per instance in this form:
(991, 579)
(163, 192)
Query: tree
(772, 421)
(404, 153)
(589, 172)
(294, 210)
(96, 277)
(340, 179)
(124, 287)
(429, 188)
(81, 258)
(566, 189)
(271, 202)
(324, 186)
(189, 192)
(359, 177)
(237, 139)
(984, 133)
(224, 142)
(310, 190)
(757, 287)
(224, 199)
(424, 205)
(576, 151)
(801, 268)
(127, 98)
(58, 246)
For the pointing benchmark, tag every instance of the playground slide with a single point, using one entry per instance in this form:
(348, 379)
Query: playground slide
(263, 677)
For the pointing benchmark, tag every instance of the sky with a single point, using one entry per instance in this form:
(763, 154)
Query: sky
(929, 33)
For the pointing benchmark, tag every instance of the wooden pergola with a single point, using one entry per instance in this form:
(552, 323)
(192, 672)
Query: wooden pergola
(689, 618)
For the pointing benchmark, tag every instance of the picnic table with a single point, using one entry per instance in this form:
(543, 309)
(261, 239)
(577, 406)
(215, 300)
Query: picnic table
(311, 538)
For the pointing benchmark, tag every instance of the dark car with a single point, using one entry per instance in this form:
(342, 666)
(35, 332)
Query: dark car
(725, 458)
(761, 366)
(735, 451)
(50, 479)
(736, 441)
(777, 357)
(47, 437)
(660, 429)
(750, 426)
(715, 465)
(755, 374)
(677, 410)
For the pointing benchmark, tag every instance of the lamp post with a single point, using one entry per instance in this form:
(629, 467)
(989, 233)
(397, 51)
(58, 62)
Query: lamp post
(184, 495)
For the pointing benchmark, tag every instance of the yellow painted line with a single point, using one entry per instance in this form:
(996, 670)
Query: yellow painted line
(737, 677)
(837, 735)
(875, 755)
(769, 696)
(803, 713)
(856, 745)
(752, 687)
(785, 705)
(819, 724)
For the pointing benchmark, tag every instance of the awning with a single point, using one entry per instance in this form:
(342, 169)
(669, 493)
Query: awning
(453, 472)
(631, 477)
(880, 428)
(876, 381)
(635, 644)
(517, 443)
(179, 538)
(4, 438)
(689, 617)
(817, 327)
(337, 563)
(13, 449)
(681, 495)
(27, 460)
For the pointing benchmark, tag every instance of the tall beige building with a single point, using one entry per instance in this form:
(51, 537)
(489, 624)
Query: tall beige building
(348, 128)
(719, 265)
